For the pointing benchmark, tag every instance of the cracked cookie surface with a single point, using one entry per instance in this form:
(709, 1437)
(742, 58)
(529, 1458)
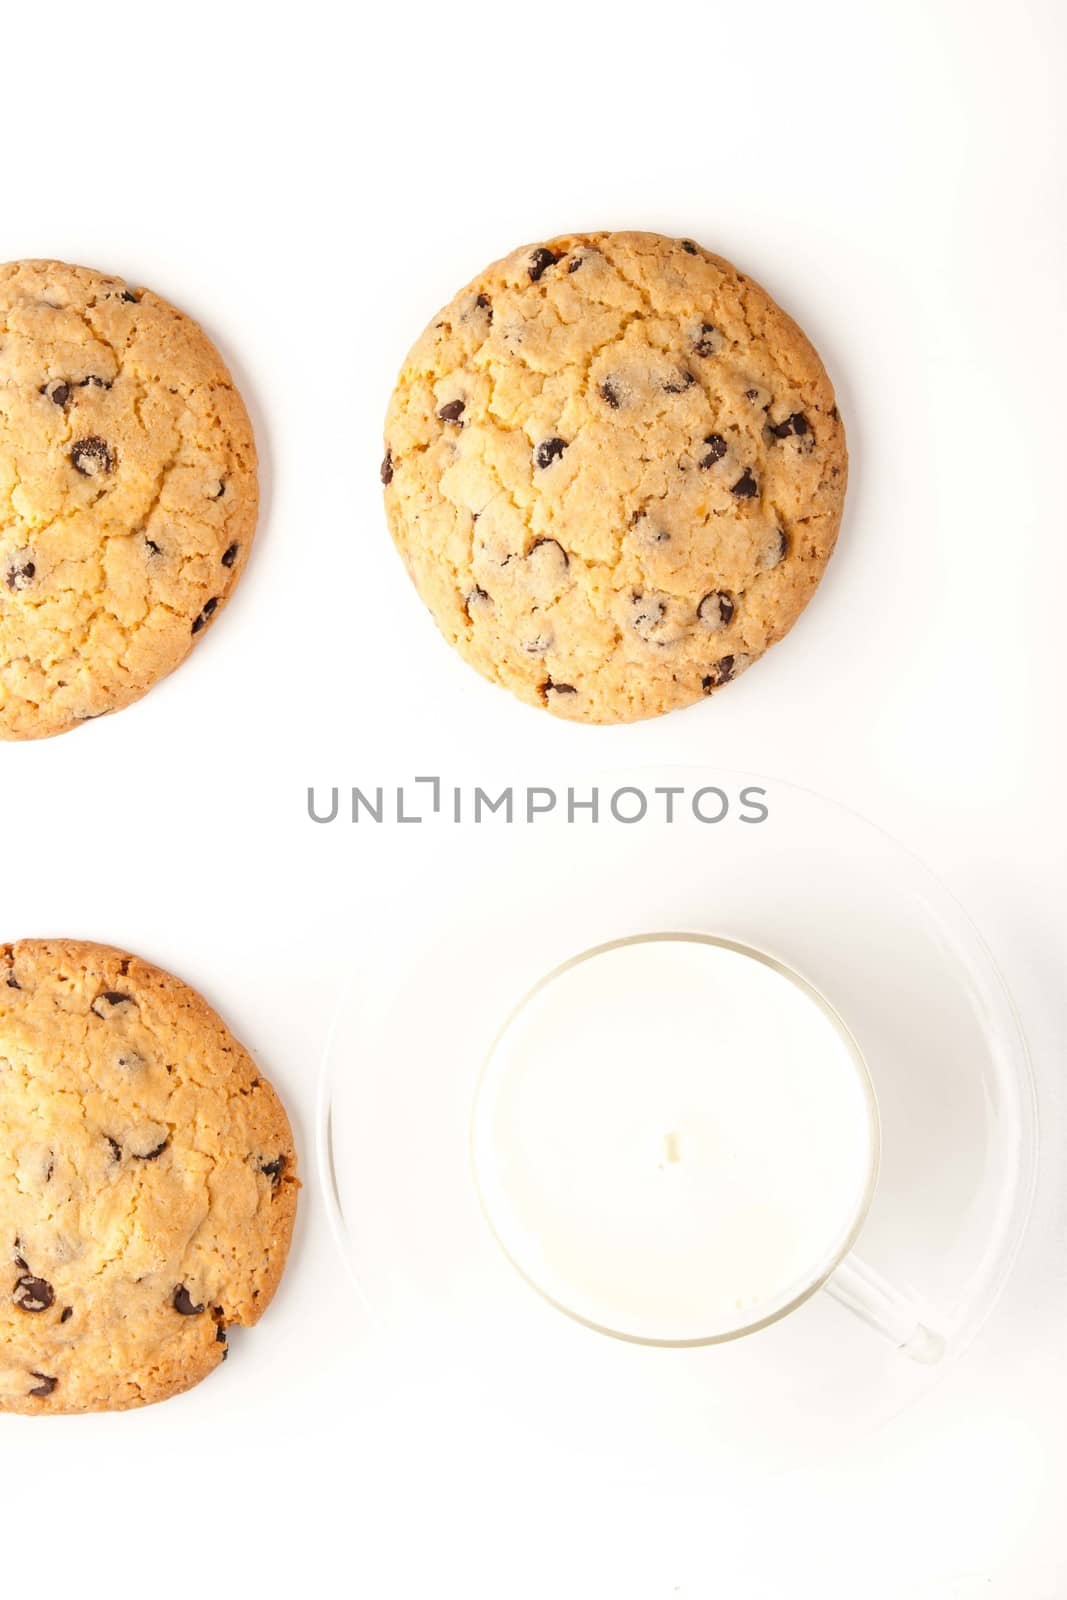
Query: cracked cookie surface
(147, 1181)
(127, 493)
(615, 471)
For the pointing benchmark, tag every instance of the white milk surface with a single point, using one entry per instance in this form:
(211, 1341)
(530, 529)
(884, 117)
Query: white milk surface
(673, 1140)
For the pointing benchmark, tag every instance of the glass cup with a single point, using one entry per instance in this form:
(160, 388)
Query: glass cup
(676, 1142)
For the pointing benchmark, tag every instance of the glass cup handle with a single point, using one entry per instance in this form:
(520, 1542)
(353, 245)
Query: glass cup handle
(867, 1294)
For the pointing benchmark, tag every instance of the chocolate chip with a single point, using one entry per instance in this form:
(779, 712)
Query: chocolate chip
(797, 423)
(220, 1334)
(91, 456)
(33, 1294)
(539, 645)
(717, 448)
(452, 411)
(574, 263)
(477, 597)
(716, 610)
(220, 491)
(540, 260)
(679, 385)
(13, 982)
(66, 1313)
(183, 1302)
(704, 344)
(116, 1148)
(750, 394)
(557, 688)
(105, 1003)
(549, 450)
(93, 382)
(537, 544)
(44, 1387)
(609, 394)
(154, 548)
(274, 1169)
(21, 573)
(57, 391)
(745, 488)
(720, 673)
(210, 607)
(776, 550)
(650, 534)
(129, 297)
(150, 1155)
(484, 303)
(649, 613)
(387, 468)
(648, 610)
(230, 556)
(689, 247)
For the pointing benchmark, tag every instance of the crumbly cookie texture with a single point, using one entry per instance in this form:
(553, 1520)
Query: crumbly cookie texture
(147, 1182)
(127, 493)
(615, 472)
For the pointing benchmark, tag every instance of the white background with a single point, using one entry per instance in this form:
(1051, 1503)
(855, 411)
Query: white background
(313, 188)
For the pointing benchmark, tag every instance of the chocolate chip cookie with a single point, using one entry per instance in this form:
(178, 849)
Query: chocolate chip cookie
(127, 493)
(615, 471)
(147, 1182)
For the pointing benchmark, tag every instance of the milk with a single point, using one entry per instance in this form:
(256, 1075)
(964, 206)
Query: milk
(674, 1140)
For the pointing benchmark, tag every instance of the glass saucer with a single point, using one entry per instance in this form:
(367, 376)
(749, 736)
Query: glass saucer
(484, 913)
